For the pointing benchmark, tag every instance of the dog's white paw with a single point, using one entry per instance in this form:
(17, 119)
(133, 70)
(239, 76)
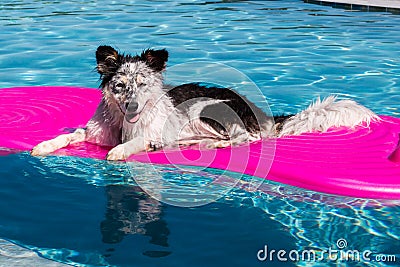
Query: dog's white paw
(117, 153)
(44, 148)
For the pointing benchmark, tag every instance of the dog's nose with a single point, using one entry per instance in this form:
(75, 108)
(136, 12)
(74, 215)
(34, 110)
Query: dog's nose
(132, 106)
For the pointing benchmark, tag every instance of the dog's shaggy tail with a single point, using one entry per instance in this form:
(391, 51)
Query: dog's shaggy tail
(322, 115)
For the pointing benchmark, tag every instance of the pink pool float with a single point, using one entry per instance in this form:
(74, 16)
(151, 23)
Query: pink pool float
(362, 162)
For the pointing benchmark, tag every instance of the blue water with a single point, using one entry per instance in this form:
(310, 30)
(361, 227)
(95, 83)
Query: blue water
(92, 213)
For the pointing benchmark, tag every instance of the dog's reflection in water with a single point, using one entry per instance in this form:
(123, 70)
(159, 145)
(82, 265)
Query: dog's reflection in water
(130, 211)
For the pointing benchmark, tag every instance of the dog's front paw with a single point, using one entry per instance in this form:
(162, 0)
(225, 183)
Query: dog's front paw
(117, 153)
(44, 148)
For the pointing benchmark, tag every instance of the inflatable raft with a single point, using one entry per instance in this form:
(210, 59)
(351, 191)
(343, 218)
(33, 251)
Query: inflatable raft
(362, 162)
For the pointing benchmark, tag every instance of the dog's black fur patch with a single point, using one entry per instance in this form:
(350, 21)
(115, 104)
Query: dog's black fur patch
(279, 120)
(248, 114)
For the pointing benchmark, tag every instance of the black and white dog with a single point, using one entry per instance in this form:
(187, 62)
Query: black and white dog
(138, 112)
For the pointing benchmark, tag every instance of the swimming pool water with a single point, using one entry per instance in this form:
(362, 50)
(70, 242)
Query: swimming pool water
(92, 213)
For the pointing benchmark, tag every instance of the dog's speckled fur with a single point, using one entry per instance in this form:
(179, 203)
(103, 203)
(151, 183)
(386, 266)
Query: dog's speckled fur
(139, 113)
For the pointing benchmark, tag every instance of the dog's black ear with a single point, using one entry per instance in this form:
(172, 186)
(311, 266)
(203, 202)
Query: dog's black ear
(107, 59)
(156, 59)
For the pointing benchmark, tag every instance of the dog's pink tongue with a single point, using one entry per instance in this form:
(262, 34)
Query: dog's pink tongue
(134, 119)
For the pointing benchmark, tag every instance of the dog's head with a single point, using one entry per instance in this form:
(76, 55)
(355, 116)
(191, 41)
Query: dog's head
(130, 81)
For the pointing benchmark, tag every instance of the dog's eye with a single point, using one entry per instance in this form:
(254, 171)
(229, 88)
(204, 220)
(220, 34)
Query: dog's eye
(118, 87)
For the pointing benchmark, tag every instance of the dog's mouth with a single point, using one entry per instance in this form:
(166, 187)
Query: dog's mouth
(132, 117)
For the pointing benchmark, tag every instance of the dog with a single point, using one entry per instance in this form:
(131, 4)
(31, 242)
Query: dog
(138, 112)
